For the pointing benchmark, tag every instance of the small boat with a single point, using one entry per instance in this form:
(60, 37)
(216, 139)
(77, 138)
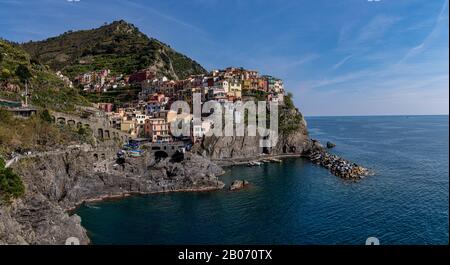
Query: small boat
(135, 153)
(92, 206)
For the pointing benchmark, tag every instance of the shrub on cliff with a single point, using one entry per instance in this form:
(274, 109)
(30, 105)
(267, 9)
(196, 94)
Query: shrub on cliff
(11, 185)
(36, 134)
(5, 74)
(45, 116)
(288, 101)
(290, 118)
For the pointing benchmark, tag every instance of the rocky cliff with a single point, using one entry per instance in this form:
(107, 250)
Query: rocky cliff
(57, 183)
(292, 141)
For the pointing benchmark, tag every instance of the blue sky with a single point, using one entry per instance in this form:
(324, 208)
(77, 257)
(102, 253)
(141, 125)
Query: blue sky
(341, 57)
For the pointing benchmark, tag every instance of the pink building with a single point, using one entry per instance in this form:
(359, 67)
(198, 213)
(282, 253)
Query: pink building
(106, 107)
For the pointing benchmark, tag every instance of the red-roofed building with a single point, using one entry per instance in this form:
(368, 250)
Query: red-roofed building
(140, 76)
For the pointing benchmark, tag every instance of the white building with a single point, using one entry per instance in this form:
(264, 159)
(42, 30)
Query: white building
(223, 84)
(199, 130)
(278, 86)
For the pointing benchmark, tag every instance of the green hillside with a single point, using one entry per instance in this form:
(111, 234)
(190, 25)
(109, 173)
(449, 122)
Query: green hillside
(118, 46)
(46, 89)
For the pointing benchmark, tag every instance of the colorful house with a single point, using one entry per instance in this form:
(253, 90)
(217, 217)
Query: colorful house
(156, 128)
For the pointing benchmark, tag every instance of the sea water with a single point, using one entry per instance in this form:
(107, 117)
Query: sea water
(297, 202)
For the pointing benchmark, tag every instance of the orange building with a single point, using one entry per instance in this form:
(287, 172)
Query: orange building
(157, 129)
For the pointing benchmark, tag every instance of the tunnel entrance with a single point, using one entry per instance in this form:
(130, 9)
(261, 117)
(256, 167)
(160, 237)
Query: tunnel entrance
(160, 155)
(177, 157)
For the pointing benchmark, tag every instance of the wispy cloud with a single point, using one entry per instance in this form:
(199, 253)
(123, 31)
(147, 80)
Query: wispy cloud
(328, 81)
(280, 66)
(359, 37)
(307, 58)
(376, 28)
(370, 79)
(162, 15)
(397, 89)
(442, 16)
(342, 62)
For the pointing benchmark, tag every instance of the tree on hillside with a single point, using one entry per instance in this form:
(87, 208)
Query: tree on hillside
(23, 73)
(45, 116)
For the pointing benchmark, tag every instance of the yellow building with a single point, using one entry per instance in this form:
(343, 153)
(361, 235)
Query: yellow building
(128, 126)
(235, 89)
(246, 84)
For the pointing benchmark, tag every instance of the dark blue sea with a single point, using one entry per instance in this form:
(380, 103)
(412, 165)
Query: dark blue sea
(296, 202)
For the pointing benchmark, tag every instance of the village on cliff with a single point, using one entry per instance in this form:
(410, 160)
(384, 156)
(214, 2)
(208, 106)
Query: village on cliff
(149, 116)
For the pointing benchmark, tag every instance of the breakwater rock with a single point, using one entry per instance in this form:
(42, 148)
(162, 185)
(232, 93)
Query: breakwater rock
(337, 165)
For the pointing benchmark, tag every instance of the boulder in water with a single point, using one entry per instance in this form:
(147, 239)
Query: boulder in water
(239, 184)
(330, 145)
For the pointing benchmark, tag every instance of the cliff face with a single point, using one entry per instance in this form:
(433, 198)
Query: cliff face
(294, 141)
(35, 219)
(57, 183)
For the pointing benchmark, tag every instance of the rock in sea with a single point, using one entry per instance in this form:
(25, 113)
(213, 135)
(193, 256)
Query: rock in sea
(330, 145)
(238, 184)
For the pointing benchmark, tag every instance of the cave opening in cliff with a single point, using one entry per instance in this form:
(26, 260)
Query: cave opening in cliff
(159, 155)
(177, 157)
